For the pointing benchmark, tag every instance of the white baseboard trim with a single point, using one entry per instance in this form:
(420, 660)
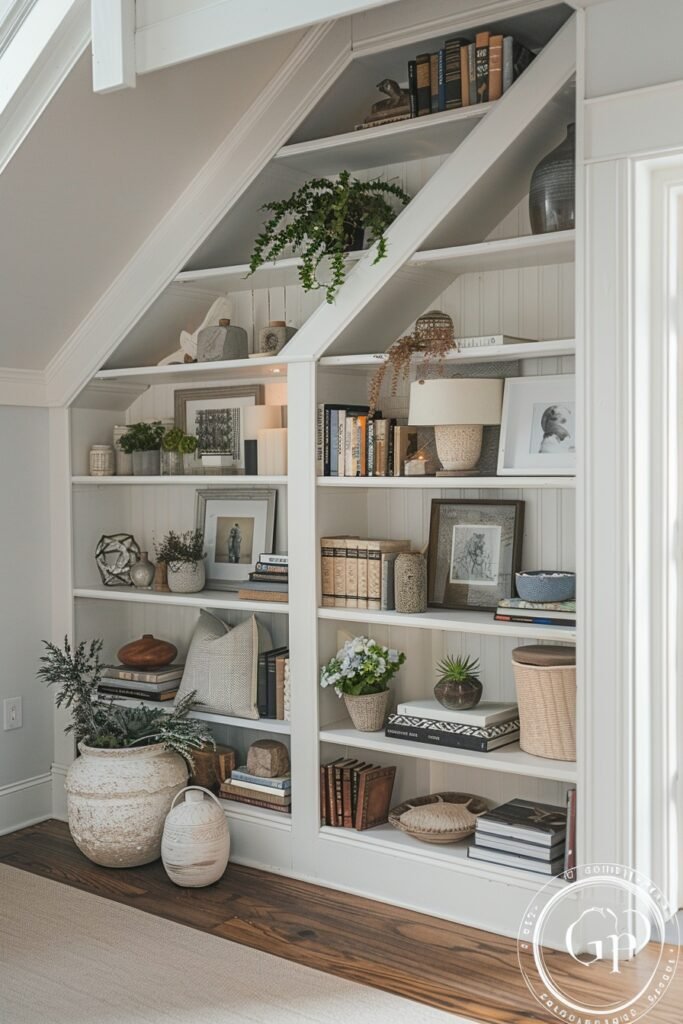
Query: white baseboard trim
(58, 793)
(25, 803)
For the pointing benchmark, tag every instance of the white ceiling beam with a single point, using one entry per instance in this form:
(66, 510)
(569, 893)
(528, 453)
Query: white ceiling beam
(113, 44)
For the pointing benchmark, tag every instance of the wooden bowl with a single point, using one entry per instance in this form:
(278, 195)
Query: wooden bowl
(148, 652)
(477, 806)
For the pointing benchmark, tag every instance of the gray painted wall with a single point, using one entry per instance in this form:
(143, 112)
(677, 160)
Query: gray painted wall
(633, 43)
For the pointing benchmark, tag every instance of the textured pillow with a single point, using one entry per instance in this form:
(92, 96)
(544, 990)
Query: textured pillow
(222, 665)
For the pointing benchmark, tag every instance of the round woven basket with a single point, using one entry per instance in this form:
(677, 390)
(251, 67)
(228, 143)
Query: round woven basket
(476, 805)
(368, 712)
(546, 695)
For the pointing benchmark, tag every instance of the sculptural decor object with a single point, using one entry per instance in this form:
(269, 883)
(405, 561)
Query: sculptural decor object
(147, 652)
(394, 107)
(115, 555)
(142, 573)
(273, 338)
(551, 193)
(223, 341)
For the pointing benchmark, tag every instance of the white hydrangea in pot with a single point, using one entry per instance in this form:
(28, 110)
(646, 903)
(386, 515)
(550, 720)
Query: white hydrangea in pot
(360, 673)
(183, 554)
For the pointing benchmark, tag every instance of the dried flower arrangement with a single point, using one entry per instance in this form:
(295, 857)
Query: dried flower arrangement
(432, 340)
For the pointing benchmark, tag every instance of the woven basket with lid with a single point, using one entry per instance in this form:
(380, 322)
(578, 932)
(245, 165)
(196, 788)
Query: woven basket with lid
(545, 677)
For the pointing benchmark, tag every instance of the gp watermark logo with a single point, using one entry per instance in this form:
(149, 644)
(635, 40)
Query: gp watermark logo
(596, 951)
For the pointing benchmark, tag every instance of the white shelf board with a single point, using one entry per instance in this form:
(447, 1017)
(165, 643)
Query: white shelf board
(390, 839)
(478, 623)
(491, 354)
(260, 815)
(168, 481)
(204, 599)
(511, 759)
(443, 483)
(500, 254)
(262, 368)
(236, 278)
(413, 139)
(257, 724)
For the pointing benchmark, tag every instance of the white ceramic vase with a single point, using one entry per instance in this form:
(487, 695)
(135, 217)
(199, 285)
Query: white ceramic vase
(186, 577)
(196, 842)
(118, 800)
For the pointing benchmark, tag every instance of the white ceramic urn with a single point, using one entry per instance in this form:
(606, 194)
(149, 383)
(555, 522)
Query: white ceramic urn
(118, 800)
(196, 842)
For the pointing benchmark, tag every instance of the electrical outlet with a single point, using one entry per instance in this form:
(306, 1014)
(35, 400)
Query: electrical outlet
(12, 713)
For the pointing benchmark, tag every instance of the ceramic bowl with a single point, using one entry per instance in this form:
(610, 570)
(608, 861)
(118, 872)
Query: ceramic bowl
(544, 585)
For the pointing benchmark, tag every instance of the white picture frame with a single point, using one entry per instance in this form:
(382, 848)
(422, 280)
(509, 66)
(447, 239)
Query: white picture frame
(246, 513)
(538, 426)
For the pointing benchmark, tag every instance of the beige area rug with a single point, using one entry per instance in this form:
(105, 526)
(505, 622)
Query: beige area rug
(68, 957)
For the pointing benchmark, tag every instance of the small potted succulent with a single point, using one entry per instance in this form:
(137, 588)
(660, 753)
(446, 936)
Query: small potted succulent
(459, 687)
(325, 219)
(183, 555)
(143, 442)
(175, 445)
(360, 673)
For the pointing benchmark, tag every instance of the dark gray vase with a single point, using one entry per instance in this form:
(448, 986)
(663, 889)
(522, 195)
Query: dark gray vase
(551, 194)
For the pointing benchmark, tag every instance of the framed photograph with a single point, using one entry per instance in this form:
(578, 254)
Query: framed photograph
(214, 415)
(538, 427)
(238, 525)
(475, 549)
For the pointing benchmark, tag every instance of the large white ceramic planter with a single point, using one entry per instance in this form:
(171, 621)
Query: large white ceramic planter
(118, 801)
(196, 842)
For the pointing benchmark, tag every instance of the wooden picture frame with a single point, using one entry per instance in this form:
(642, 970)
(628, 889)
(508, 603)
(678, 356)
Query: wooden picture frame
(217, 397)
(217, 511)
(475, 549)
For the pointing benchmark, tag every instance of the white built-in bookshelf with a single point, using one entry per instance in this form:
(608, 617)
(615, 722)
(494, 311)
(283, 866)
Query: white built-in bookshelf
(491, 278)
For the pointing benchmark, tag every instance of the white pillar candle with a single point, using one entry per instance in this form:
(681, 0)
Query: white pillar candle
(260, 417)
(272, 452)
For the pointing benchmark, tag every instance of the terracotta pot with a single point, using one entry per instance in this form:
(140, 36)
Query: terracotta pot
(148, 652)
(368, 712)
(195, 846)
(118, 801)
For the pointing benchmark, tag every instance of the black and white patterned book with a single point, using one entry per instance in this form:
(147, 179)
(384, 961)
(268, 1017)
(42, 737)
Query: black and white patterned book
(452, 734)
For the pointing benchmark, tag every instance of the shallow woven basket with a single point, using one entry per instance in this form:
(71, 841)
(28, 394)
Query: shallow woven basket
(477, 806)
(546, 696)
(368, 711)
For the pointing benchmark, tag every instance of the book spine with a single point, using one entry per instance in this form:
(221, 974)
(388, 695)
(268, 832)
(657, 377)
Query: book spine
(274, 571)
(320, 440)
(453, 86)
(340, 574)
(508, 72)
(267, 558)
(482, 66)
(115, 691)
(331, 800)
(371, 447)
(334, 446)
(323, 797)
(495, 67)
(256, 780)
(412, 87)
(374, 576)
(387, 603)
(262, 685)
(327, 572)
(441, 72)
(485, 341)
(472, 70)
(362, 574)
(288, 692)
(439, 739)
(326, 440)
(381, 452)
(338, 796)
(254, 802)
(270, 686)
(391, 441)
(347, 806)
(464, 76)
(280, 796)
(340, 441)
(434, 83)
(349, 443)
(351, 585)
(423, 85)
(150, 678)
(280, 687)
(536, 620)
(570, 842)
(362, 446)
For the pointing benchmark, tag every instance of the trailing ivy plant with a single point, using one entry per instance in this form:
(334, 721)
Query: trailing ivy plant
(178, 549)
(142, 437)
(105, 723)
(321, 219)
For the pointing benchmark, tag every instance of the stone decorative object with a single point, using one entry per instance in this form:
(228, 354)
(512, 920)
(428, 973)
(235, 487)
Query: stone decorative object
(268, 759)
(118, 800)
(148, 652)
(211, 767)
(546, 585)
(160, 581)
(142, 573)
(101, 460)
(186, 577)
(551, 193)
(410, 583)
(115, 555)
(368, 711)
(195, 846)
(273, 338)
(124, 461)
(223, 341)
(439, 817)
(394, 107)
(147, 463)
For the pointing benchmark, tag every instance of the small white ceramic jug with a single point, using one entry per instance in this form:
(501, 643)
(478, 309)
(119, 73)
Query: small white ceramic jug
(195, 846)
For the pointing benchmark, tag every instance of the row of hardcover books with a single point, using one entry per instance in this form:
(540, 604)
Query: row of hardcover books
(355, 793)
(529, 836)
(275, 794)
(273, 684)
(486, 727)
(359, 573)
(350, 442)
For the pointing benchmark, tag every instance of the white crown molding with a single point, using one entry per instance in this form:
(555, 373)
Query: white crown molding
(25, 803)
(313, 65)
(609, 120)
(22, 387)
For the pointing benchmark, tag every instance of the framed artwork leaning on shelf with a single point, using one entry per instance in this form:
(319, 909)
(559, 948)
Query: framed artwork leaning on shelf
(215, 416)
(475, 549)
(238, 525)
(538, 427)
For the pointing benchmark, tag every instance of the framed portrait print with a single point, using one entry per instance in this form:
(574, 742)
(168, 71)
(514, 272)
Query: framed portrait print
(475, 549)
(238, 525)
(538, 427)
(215, 416)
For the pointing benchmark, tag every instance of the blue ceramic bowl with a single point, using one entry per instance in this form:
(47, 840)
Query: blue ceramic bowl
(545, 585)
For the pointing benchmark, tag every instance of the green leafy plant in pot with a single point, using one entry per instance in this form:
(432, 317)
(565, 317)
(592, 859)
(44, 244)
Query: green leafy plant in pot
(360, 673)
(175, 445)
(134, 759)
(325, 219)
(143, 442)
(459, 687)
(183, 554)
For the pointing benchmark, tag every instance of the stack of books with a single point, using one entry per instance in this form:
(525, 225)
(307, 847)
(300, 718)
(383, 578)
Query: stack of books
(355, 794)
(272, 696)
(141, 684)
(486, 727)
(269, 580)
(522, 834)
(539, 613)
(243, 788)
(359, 573)
(349, 442)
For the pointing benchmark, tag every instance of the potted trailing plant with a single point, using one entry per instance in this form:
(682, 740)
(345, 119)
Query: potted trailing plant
(142, 441)
(459, 687)
(175, 445)
(183, 554)
(431, 341)
(360, 673)
(133, 762)
(325, 219)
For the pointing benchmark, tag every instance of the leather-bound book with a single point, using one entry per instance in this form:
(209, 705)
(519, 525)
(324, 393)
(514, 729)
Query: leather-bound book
(495, 67)
(424, 89)
(375, 786)
(481, 57)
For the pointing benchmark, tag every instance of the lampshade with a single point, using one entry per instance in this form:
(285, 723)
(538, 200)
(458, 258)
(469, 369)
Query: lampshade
(461, 400)
(260, 417)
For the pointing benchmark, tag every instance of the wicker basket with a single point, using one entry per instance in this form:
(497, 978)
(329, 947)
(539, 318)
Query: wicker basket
(546, 695)
(368, 712)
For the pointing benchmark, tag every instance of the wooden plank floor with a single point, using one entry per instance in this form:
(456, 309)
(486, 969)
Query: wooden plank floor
(458, 969)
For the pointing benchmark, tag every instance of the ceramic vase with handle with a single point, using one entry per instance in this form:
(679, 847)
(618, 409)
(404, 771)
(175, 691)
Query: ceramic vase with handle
(195, 846)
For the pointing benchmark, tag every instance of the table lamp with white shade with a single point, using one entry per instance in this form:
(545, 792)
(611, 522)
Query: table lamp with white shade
(458, 408)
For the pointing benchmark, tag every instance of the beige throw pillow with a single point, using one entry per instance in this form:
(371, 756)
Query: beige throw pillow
(222, 665)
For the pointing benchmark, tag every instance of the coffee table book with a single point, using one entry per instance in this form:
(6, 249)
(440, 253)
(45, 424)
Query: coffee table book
(544, 824)
(452, 734)
(512, 860)
(487, 712)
